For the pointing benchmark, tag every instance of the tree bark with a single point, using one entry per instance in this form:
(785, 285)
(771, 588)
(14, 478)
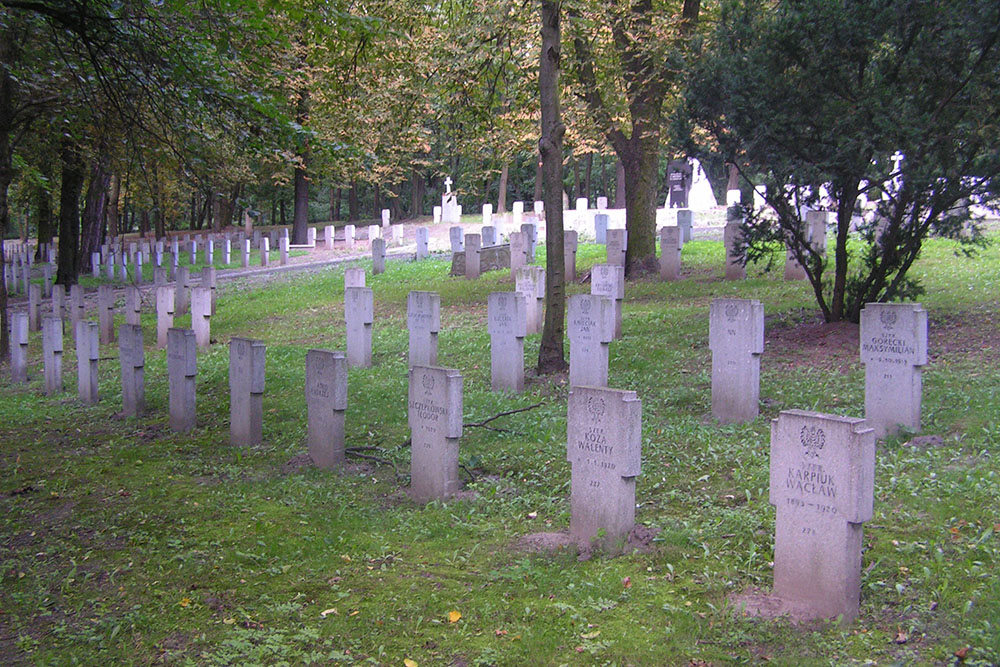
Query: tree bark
(538, 178)
(6, 176)
(301, 218)
(377, 203)
(416, 195)
(588, 164)
(333, 208)
(353, 205)
(336, 204)
(69, 212)
(550, 354)
(502, 189)
(114, 197)
(619, 184)
(92, 223)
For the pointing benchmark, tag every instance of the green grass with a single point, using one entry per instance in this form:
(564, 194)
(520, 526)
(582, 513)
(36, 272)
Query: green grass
(124, 543)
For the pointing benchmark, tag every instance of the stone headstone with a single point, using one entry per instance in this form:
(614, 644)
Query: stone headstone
(822, 486)
(283, 246)
(423, 317)
(133, 305)
(354, 276)
(209, 252)
(374, 232)
(159, 276)
(423, 236)
(193, 252)
(732, 236)
(95, 264)
(539, 208)
(19, 347)
(530, 281)
(736, 338)
(670, 253)
(245, 254)
(326, 400)
(311, 237)
(182, 293)
(265, 251)
(518, 252)
(47, 280)
(609, 280)
(246, 391)
(507, 321)
(77, 306)
(328, 235)
(604, 448)
(473, 246)
(106, 313)
(132, 357)
(378, 256)
(517, 214)
(601, 228)
(88, 349)
(489, 234)
(201, 316)
(385, 217)
(52, 351)
(487, 215)
(436, 214)
(349, 235)
(816, 230)
(182, 367)
(591, 327)
(602, 203)
(209, 281)
(570, 243)
(893, 350)
(164, 314)
(455, 235)
(581, 203)
(227, 251)
(435, 418)
(59, 301)
(359, 312)
(616, 247)
(530, 234)
(34, 307)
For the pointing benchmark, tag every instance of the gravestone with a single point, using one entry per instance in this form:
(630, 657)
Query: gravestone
(59, 301)
(434, 409)
(349, 234)
(822, 482)
(110, 265)
(473, 246)
(616, 246)
(570, 243)
(164, 314)
(283, 246)
(816, 230)
(893, 350)
(159, 276)
(354, 276)
(95, 264)
(517, 214)
(679, 179)
(530, 281)
(19, 347)
(209, 281)
(47, 280)
(602, 203)
(455, 236)
(34, 307)
(506, 323)
(608, 280)
(328, 234)
(378, 256)
(201, 316)
(246, 391)
(77, 306)
(193, 253)
(326, 400)
(374, 232)
(670, 253)
(133, 360)
(182, 294)
(436, 214)
(601, 228)
(359, 312)
(88, 349)
(732, 234)
(106, 313)
(182, 367)
(489, 234)
(227, 251)
(604, 448)
(423, 318)
(518, 252)
(581, 204)
(311, 237)
(133, 305)
(736, 338)
(245, 252)
(423, 236)
(530, 234)
(591, 327)
(265, 251)
(385, 217)
(52, 351)
(487, 215)
(793, 269)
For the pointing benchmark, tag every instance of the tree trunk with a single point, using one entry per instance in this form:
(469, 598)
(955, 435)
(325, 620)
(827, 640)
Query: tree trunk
(114, 198)
(538, 179)
(377, 204)
(69, 212)
(353, 205)
(550, 354)
(502, 196)
(300, 222)
(619, 184)
(274, 208)
(333, 208)
(577, 185)
(640, 162)
(144, 223)
(416, 195)
(588, 164)
(93, 213)
(281, 208)
(6, 176)
(604, 175)
(336, 204)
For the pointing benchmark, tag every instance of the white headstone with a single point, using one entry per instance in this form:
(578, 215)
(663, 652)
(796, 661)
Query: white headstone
(609, 280)
(359, 312)
(893, 350)
(507, 320)
(423, 317)
(201, 315)
(736, 338)
(530, 281)
(132, 358)
(246, 391)
(435, 418)
(670, 253)
(617, 245)
(326, 400)
(591, 327)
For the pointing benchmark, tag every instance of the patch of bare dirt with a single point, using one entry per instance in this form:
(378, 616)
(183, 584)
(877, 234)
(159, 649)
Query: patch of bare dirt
(813, 343)
(640, 538)
(755, 602)
(967, 335)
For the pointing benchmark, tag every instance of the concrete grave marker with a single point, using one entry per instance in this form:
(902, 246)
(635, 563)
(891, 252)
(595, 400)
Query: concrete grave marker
(58, 301)
(736, 338)
(88, 349)
(227, 251)
(570, 242)
(732, 235)
(34, 307)
(423, 236)
(201, 316)
(265, 251)
(245, 251)
(209, 282)
(616, 246)
(423, 318)
(822, 485)
(489, 235)
(326, 400)
(182, 366)
(487, 215)
(182, 294)
(349, 234)
(374, 232)
(133, 305)
(385, 217)
(328, 236)
(518, 252)
(816, 229)
(77, 306)
(132, 357)
(246, 391)
(530, 281)
(473, 246)
(507, 321)
(52, 351)
(602, 203)
(893, 350)
(609, 280)
(164, 314)
(378, 256)
(455, 236)
(354, 277)
(601, 228)
(283, 247)
(19, 347)
(591, 327)
(106, 313)
(670, 253)
(604, 448)
(434, 410)
(530, 234)
(359, 312)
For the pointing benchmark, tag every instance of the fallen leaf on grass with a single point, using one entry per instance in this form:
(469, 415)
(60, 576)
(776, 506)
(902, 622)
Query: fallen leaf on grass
(627, 582)
(499, 633)
(962, 652)
(327, 612)
(185, 602)
(453, 616)
(409, 663)
(590, 635)
(355, 612)
(901, 637)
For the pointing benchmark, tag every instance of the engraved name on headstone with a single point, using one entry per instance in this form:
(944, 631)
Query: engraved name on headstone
(591, 327)
(507, 321)
(434, 409)
(893, 350)
(609, 280)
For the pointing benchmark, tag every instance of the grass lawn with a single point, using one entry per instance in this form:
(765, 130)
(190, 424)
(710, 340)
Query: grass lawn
(124, 543)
